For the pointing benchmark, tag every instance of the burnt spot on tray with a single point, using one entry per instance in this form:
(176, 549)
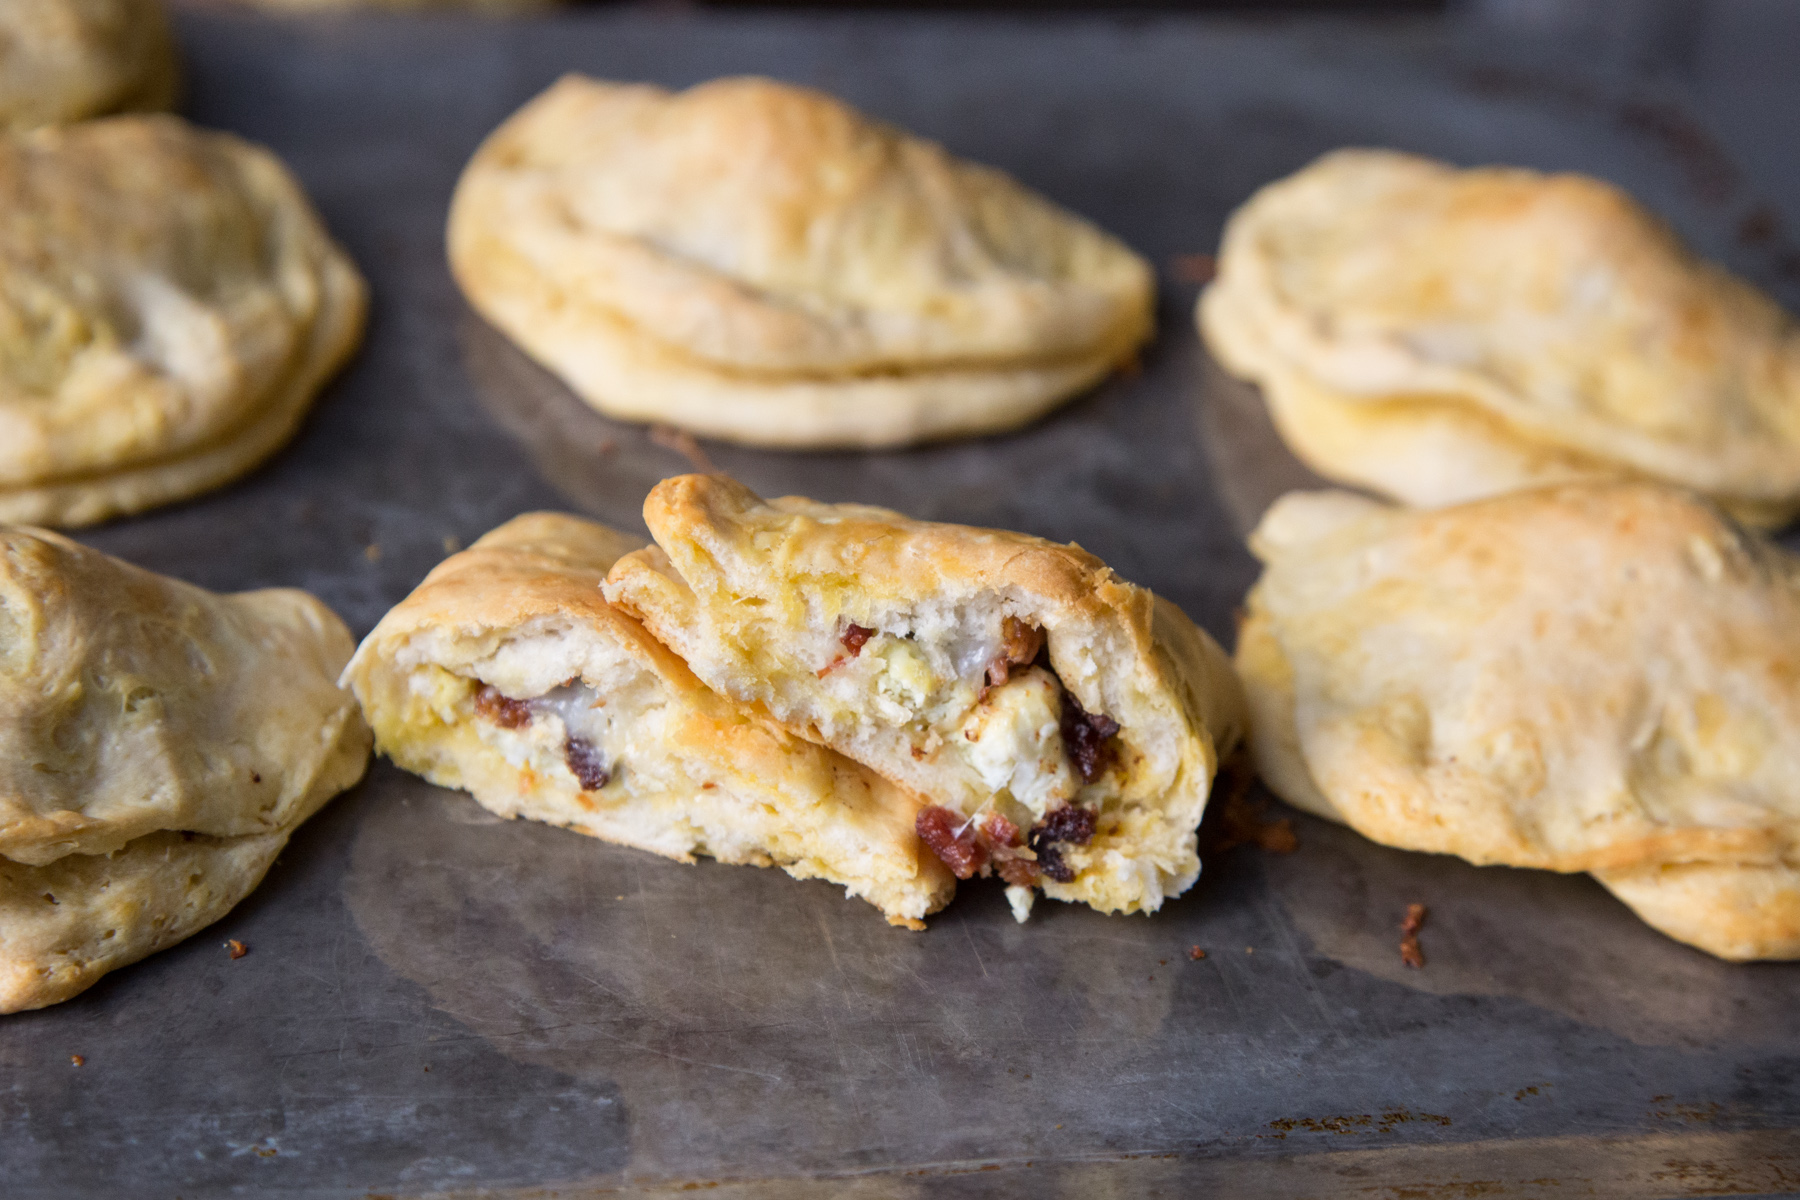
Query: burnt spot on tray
(501, 709)
(585, 763)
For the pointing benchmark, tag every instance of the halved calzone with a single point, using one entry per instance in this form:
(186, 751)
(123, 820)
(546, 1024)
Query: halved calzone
(508, 674)
(169, 306)
(759, 262)
(1065, 723)
(158, 743)
(1599, 677)
(1439, 335)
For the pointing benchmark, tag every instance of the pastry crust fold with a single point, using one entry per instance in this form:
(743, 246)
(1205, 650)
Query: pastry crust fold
(507, 673)
(759, 262)
(1593, 677)
(169, 306)
(158, 744)
(1439, 335)
(67, 60)
(997, 673)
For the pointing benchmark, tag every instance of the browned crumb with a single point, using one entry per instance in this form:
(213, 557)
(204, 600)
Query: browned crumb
(237, 948)
(1410, 953)
(76, 1060)
(1193, 268)
(1196, 953)
(683, 443)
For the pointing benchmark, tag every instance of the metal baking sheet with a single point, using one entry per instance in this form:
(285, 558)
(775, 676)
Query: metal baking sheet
(439, 1002)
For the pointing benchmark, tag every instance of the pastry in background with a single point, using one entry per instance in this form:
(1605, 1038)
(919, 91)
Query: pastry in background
(1438, 335)
(1066, 724)
(489, 7)
(158, 744)
(1589, 677)
(66, 60)
(759, 262)
(508, 674)
(169, 306)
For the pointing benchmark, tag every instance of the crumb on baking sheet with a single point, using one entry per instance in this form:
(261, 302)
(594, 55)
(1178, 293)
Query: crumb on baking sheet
(237, 948)
(683, 443)
(1410, 953)
(1193, 268)
(1195, 953)
(76, 1060)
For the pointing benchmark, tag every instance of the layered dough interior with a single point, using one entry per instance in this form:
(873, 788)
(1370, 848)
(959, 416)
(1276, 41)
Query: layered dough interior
(601, 744)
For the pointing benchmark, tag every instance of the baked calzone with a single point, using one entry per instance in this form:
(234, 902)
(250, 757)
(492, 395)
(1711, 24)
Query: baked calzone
(1437, 335)
(508, 674)
(158, 744)
(1066, 724)
(1589, 677)
(759, 262)
(169, 305)
(65, 60)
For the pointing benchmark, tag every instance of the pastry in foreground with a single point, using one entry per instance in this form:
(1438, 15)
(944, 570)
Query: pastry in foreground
(169, 305)
(66, 60)
(158, 744)
(1589, 677)
(508, 674)
(759, 262)
(1065, 723)
(1437, 335)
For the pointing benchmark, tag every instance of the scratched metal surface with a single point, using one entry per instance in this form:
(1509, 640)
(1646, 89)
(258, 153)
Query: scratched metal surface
(435, 1001)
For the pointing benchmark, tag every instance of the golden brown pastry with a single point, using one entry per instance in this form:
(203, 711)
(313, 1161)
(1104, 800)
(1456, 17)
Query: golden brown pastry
(65, 60)
(759, 262)
(1438, 335)
(158, 744)
(169, 305)
(1599, 677)
(507, 673)
(1065, 723)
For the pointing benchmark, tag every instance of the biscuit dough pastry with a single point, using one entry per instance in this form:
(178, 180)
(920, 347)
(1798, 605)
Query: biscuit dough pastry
(493, 7)
(1589, 677)
(1438, 335)
(158, 744)
(508, 674)
(66, 60)
(1065, 723)
(169, 305)
(759, 262)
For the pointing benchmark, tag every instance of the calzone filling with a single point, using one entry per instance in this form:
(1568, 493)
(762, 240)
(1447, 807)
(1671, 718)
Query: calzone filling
(980, 696)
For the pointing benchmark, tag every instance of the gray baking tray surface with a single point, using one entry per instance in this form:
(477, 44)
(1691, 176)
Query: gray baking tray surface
(436, 1001)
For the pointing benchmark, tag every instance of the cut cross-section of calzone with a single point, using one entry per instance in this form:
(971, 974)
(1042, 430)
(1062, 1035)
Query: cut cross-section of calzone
(158, 744)
(756, 261)
(169, 306)
(1591, 677)
(507, 673)
(1065, 723)
(1438, 335)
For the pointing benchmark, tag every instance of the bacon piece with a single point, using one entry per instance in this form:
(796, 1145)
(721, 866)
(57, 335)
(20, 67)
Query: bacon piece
(501, 709)
(586, 763)
(1410, 952)
(1050, 862)
(855, 637)
(1020, 872)
(952, 838)
(1019, 645)
(1070, 823)
(1087, 737)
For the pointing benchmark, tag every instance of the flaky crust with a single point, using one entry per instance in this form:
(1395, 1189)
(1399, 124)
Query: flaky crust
(739, 586)
(760, 262)
(158, 744)
(1396, 311)
(767, 797)
(1585, 678)
(169, 305)
(66, 60)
